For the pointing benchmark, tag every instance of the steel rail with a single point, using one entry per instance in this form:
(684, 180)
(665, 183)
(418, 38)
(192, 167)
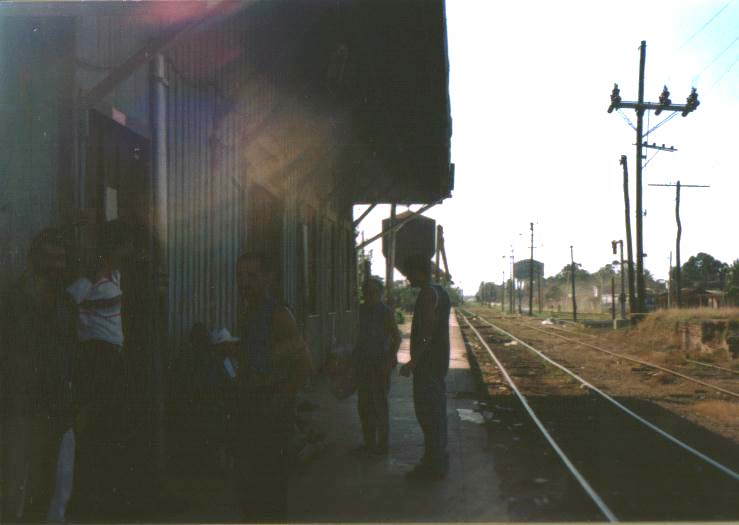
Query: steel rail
(571, 467)
(634, 359)
(712, 366)
(726, 470)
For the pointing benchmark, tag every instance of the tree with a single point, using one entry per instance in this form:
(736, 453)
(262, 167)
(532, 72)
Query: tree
(704, 272)
(487, 293)
(732, 281)
(554, 293)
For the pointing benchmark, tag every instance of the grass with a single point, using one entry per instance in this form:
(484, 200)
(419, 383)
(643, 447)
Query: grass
(695, 314)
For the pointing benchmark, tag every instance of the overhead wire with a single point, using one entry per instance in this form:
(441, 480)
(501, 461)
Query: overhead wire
(717, 57)
(725, 73)
(690, 38)
(626, 119)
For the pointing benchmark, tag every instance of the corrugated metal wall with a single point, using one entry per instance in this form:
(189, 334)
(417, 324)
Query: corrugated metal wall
(104, 42)
(33, 68)
(206, 185)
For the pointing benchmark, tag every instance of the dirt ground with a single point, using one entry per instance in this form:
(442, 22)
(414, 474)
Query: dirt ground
(651, 342)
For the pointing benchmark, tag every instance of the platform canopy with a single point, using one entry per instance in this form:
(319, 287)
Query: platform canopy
(347, 96)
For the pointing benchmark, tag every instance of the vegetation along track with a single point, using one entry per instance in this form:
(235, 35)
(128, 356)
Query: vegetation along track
(635, 460)
(632, 364)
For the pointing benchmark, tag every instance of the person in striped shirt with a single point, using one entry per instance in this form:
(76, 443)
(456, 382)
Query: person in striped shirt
(100, 378)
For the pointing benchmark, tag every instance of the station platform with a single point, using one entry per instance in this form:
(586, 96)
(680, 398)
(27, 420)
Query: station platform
(341, 486)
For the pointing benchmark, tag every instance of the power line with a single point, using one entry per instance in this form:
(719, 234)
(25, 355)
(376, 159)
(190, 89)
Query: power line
(717, 57)
(725, 72)
(705, 25)
(659, 124)
(623, 115)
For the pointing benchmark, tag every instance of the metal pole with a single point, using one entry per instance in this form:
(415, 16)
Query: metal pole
(531, 274)
(574, 300)
(640, 289)
(160, 259)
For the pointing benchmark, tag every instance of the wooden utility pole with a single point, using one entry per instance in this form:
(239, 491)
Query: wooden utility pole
(512, 285)
(438, 253)
(664, 104)
(669, 289)
(678, 270)
(390, 262)
(502, 295)
(574, 300)
(531, 274)
(541, 304)
(629, 250)
(613, 297)
(622, 296)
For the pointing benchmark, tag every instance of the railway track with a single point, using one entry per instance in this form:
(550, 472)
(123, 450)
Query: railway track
(578, 339)
(630, 467)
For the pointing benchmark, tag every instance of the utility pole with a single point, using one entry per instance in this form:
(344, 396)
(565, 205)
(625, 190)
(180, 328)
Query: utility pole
(613, 297)
(502, 295)
(531, 274)
(390, 262)
(574, 300)
(669, 285)
(438, 253)
(640, 106)
(678, 270)
(513, 280)
(629, 251)
(541, 304)
(622, 297)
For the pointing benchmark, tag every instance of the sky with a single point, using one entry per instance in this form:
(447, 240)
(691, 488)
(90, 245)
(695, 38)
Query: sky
(530, 83)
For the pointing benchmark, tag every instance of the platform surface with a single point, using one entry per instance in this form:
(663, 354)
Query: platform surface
(342, 486)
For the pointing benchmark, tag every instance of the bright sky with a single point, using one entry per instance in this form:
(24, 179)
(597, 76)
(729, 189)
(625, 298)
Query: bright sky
(530, 83)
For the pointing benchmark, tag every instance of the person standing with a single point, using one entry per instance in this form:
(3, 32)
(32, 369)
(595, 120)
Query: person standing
(273, 365)
(378, 340)
(429, 365)
(101, 381)
(37, 341)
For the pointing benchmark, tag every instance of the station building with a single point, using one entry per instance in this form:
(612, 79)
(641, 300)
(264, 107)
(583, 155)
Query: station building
(219, 127)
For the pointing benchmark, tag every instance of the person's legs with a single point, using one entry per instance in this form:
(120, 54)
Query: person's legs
(101, 462)
(380, 388)
(429, 398)
(365, 406)
(261, 470)
(17, 429)
(438, 434)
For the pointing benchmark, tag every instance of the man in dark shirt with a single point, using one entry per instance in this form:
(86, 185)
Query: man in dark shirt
(375, 353)
(273, 365)
(37, 338)
(429, 364)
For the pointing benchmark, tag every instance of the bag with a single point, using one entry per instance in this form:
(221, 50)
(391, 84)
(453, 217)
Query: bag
(342, 374)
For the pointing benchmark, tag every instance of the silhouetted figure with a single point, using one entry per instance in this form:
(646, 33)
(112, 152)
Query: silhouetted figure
(273, 365)
(429, 365)
(101, 382)
(37, 341)
(375, 355)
